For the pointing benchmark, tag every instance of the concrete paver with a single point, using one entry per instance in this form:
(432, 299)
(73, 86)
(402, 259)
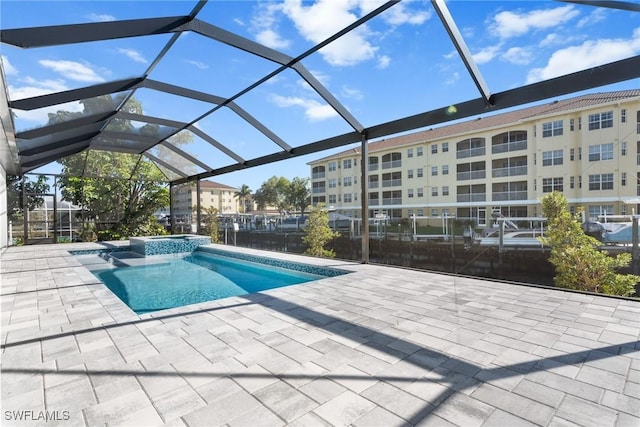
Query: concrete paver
(379, 346)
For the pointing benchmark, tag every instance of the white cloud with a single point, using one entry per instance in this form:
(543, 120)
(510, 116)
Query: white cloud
(270, 38)
(313, 110)
(100, 17)
(9, 69)
(589, 54)
(594, 17)
(517, 55)
(398, 15)
(31, 87)
(72, 70)
(133, 54)
(352, 93)
(198, 64)
(383, 62)
(550, 40)
(451, 55)
(324, 18)
(452, 78)
(487, 54)
(509, 24)
(265, 26)
(239, 21)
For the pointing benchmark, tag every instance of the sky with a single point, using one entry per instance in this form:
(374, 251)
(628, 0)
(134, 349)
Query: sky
(400, 63)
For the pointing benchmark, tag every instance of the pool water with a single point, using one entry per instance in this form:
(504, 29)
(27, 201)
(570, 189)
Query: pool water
(194, 278)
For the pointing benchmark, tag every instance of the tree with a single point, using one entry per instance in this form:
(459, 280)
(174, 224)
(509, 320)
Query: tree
(34, 190)
(243, 195)
(318, 233)
(299, 195)
(125, 190)
(209, 217)
(578, 262)
(275, 192)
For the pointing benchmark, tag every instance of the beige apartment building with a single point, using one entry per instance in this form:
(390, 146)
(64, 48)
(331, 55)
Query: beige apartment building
(212, 194)
(587, 147)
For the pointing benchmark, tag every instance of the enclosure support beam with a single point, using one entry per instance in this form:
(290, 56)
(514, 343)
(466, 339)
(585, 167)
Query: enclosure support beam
(198, 206)
(172, 213)
(364, 198)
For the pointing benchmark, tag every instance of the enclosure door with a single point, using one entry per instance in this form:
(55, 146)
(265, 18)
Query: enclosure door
(40, 225)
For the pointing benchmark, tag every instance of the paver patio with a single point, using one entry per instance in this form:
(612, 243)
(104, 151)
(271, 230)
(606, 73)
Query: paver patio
(381, 346)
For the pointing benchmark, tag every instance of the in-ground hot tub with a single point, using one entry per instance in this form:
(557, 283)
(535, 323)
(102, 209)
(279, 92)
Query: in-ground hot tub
(161, 245)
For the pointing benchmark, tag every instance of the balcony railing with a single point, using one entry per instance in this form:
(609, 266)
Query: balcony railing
(471, 197)
(471, 152)
(391, 182)
(464, 176)
(508, 146)
(508, 195)
(374, 184)
(373, 167)
(318, 190)
(317, 175)
(510, 171)
(392, 164)
(392, 201)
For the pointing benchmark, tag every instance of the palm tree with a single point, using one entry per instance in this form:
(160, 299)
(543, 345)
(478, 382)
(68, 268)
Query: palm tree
(243, 195)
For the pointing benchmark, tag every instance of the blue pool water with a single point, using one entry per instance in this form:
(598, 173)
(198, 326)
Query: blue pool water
(194, 278)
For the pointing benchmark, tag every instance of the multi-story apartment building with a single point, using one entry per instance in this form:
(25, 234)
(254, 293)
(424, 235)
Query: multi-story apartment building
(587, 147)
(212, 194)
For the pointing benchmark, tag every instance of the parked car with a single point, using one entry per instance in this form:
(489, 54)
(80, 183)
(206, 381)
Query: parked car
(622, 235)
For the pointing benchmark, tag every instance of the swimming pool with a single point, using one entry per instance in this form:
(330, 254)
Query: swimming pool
(173, 281)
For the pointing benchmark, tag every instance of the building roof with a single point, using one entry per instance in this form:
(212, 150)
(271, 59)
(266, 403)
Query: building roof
(496, 120)
(210, 184)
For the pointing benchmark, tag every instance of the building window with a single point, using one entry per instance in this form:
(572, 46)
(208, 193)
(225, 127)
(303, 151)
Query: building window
(419, 151)
(409, 213)
(445, 169)
(409, 152)
(579, 153)
(410, 193)
(579, 123)
(601, 182)
(346, 164)
(355, 197)
(623, 116)
(445, 147)
(445, 190)
(600, 152)
(623, 179)
(410, 173)
(332, 166)
(346, 181)
(420, 192)
(434, 212)
(623, 148)
(434, 171)
(333, 183)
(434, 191)
(553, 128)
(434, 148)
(572, 182)
(552, 158)
(347, 198)
(332, 198)
(572, 154)
(601, 120)
(580, 181)
(420, 212)
(596, 211)
(571, 124)
(420, 173)
(551, 184)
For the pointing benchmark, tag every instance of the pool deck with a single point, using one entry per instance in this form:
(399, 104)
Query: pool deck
(381, 346)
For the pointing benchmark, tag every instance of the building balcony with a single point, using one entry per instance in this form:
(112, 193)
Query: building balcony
(471, 152)
(392, 164)
(471, 197)
(391, 182)
(373, 167)
(374, 184)
(510, 171)
(508, 195)
(465, 176)
(509, 146)
(392, 201)
(319, 190)
(318, 175)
